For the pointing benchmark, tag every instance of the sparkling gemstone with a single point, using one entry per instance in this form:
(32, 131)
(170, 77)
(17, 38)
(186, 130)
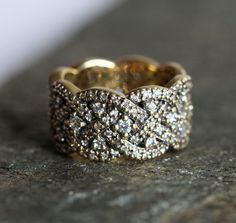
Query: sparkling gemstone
(84, 142)
(106, 119)
(125, 149)
(98, 108)
(157, 92)
(125, 126)
(88, 116)
(163, 148)
(172, 117)
(184, 129)
(146, 94)
(184, 98)
(135, 139)
(114, 113)
(115, 100)
(167, 93)
(114, 153)
(151, 105)
(76, 123)
(59, 102)
(102, 96)
(134, 112)
(98, 144)
(159, 129)
(135, 98)
(127, 105)
(142, 117)
(81, 108)
(104, 156)
(108, 134)
(90, 95)
(151, 143)
(181, 108)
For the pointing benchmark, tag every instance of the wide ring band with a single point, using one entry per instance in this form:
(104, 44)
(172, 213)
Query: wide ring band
(133, 107)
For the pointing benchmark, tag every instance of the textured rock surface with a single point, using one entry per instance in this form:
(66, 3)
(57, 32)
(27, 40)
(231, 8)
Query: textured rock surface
(196, 185)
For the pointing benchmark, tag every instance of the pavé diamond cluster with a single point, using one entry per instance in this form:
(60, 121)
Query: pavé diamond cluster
(103, 124)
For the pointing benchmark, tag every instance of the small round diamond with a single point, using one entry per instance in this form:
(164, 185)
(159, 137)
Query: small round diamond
(151, 105)
(159, 129)
(172, 117)
(151, 143)
(88, 116)
(157, 93)
(125, 126)
(98, 144)
(76, 123)
(98, 108)
(146, 94)
(114, 113)
(135, 98)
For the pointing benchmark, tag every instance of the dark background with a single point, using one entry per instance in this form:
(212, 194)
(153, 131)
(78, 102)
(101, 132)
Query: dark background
(196, 185)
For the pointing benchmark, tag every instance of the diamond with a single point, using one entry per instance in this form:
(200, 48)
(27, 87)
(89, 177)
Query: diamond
(76, 123)
(60, 102)
(104, 156)
(89, 116)
(125, 149)
(125, 126)
(108, 134)
(102, 95)
(163, 148)
(151, 105)
(135, 139)
(90, 94)
(114, 153)
(98, 108)
(84, 142)
(81, 108)
(127, 105)
(115, 100)
(135, 98)
(157, 92)
(159, 129)
(184, 129)
(114, 113)
(98, 144)
(181, 107)
(151, 143)
(105, 119)
(146, 94)
(171, 117)
(184, 98)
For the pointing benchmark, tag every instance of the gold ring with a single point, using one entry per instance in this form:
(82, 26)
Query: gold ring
(133, 107)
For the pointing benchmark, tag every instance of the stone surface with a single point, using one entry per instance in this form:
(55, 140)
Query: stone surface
(196, 185)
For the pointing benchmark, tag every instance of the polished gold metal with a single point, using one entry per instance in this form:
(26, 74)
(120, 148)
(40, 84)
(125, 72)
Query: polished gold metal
(124, 75)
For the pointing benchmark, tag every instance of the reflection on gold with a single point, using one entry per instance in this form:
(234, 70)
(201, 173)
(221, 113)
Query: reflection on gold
(124, 75)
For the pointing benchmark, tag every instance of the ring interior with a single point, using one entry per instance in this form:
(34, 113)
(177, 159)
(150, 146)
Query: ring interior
(123, 76)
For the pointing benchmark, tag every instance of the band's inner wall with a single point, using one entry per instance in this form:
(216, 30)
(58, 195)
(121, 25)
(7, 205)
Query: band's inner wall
(124, 77)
